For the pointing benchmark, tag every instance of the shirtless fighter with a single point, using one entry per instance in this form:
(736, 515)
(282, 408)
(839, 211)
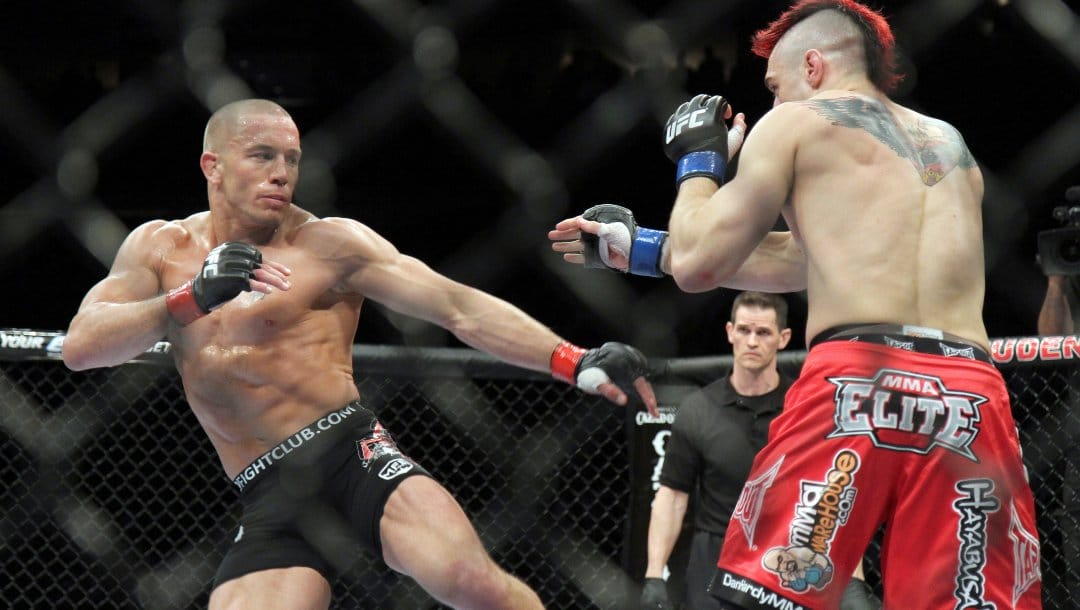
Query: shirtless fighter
(261, 301)
(898, 416)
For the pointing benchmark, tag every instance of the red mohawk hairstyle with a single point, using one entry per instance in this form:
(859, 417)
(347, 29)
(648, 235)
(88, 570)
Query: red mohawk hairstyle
(878, 41)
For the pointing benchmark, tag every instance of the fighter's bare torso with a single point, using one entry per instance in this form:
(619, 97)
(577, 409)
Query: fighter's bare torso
(889, 199)
(264, 365)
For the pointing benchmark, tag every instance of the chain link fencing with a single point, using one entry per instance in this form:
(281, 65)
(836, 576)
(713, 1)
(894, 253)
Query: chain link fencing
(462, 130)
(112, 497)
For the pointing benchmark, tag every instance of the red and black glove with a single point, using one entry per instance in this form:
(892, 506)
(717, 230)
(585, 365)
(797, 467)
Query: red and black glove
(612, 362)
(226, 272)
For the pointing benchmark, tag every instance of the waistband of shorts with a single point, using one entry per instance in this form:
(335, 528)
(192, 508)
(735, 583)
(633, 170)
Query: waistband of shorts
(304, 438)
(907, 337)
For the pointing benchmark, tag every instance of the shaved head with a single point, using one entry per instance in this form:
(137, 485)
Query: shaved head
(829, 31)
(849, 34)
(228, 120)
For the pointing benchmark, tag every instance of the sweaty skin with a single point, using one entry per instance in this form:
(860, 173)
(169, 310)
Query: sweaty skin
(875, 195)
(884, 210)
(278, 357)
(266, 365)
(883, 203)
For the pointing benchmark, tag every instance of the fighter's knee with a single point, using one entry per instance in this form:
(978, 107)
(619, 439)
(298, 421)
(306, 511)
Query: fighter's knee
(480, 584)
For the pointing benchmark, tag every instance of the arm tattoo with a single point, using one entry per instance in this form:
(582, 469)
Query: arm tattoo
(933, 147)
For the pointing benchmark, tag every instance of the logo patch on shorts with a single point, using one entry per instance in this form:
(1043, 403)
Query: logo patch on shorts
(975, 503)
(748, 509)
(823, 508)
(905, 411)
(376, 445)
(395, 468)
(1025, 556)
(964, 352)
(898, 344)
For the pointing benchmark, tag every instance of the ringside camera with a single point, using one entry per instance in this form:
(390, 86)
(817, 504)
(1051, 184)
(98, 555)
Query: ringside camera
(1059, 249)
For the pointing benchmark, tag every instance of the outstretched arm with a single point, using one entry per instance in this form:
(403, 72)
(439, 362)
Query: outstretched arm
(480, 320)
(777, 264)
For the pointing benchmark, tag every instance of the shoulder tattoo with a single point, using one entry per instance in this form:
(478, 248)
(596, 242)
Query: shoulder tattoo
(933, 147)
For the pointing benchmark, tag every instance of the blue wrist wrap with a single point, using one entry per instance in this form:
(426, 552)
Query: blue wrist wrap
(704, 163)
(645, 252)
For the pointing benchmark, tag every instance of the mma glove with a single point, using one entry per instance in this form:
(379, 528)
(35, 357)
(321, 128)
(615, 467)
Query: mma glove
(696, 139)
(643, 247)
(654, 595)
(226, 272)
(612, 362)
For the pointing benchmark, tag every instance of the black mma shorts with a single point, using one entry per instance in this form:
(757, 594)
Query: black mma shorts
(315, 497)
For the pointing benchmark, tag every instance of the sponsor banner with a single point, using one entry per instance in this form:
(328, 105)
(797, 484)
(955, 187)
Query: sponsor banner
(1051, 348)
(18, 343)
(25, 344)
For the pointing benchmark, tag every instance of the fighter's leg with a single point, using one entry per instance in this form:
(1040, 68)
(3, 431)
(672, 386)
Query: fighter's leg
(426, 535)
(285, 588)
(964, 538)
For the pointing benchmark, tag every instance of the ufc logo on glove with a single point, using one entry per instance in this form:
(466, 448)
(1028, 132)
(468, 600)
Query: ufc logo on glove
(692, 120)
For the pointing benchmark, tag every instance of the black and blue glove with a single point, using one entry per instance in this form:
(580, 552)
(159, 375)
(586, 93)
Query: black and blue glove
(642, 247)
(696, 139)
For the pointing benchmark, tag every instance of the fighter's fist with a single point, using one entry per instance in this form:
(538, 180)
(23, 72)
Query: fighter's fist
(226, 272)
(640, 249)
(612, 370)
(696, 138)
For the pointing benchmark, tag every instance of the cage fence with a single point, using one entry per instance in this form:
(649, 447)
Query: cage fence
(528, 112)
(112, 497)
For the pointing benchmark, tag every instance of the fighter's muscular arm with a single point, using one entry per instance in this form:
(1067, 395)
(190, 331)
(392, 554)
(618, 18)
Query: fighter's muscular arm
(777, 264)
(715, 231)
(375, 269)
(407, 285)
(124, 314)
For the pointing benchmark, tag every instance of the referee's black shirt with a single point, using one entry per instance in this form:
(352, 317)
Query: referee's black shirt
(712, 445)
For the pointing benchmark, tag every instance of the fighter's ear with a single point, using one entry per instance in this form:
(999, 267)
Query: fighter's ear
(813, 68)
(209, 163)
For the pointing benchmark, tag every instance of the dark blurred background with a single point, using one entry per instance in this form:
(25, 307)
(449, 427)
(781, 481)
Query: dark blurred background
(463, 130)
